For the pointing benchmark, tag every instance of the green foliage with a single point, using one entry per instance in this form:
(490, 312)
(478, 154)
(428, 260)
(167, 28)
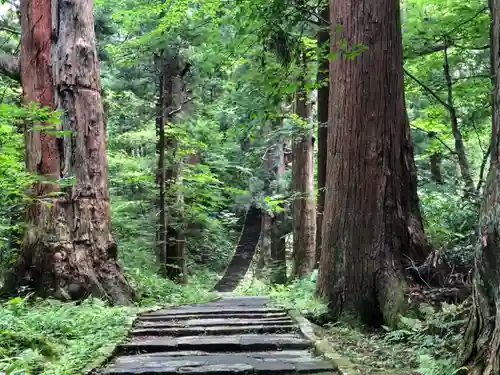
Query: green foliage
(50, 337)
(450, 223)
(435, 337)
(299, 294)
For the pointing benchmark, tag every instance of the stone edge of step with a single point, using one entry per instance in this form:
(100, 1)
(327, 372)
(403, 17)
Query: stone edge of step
(321, 346)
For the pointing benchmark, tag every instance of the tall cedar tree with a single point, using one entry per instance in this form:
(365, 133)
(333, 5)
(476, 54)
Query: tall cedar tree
(304, 205)
(69, 252)
(482, 337)
(323, 91)
(368, 221)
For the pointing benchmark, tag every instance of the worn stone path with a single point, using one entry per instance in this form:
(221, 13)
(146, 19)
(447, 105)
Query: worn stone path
(232, 336)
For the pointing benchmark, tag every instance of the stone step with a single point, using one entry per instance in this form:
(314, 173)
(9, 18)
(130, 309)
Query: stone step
(227, 310)
(213, 322)
(259, 363)
(248, 301)
(212, 331)
(212, 315)
(225, 343)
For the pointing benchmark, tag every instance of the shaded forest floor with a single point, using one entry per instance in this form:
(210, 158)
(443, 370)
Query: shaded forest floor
(427, 342)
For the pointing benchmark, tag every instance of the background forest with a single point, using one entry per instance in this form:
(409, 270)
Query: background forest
(214, 106)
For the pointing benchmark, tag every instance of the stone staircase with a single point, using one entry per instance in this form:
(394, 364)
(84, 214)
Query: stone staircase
(233, 335)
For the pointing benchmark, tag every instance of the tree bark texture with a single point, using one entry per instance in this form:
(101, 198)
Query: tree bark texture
(264, 265)
(69, 252)
(304, 205)
(369, 183)
(419, 248)
(175, 260)
(323, 92)
(482, 337)
(435, 164)
(278, 232)
(272, 261)
(161, 232)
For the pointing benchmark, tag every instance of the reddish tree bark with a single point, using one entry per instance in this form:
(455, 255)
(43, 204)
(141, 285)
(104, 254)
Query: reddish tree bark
(369, 187)
(42, 156)
(304, 205)
(69, 252)
(481, 350)
(323, 93)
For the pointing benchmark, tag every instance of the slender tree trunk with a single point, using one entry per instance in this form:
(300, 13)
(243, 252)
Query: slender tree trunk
(435, 164)
(278, 249)
(68, 249)
(369, 185)
(304, 205)
(323, 91)
(265, 262)
(175, 262)
(463, 160)
(419, 248)
(161, 232)
(482, 337)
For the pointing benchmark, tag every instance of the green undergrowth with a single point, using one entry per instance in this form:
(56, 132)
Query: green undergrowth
(298, 295)
(429, 344)
(54, 338)
(51, 337)
(48, 337)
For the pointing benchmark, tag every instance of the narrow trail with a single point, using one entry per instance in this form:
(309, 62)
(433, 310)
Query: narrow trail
(233, 335)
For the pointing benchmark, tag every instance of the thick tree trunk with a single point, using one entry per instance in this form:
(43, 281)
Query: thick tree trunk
(482, 338)
(323, 92)
(304, 205)
(68, 249)
(368, 207)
